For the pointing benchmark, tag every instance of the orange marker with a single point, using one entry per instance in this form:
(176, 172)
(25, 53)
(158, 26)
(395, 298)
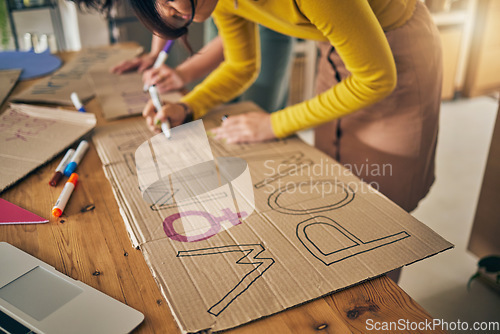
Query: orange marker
(58, 209)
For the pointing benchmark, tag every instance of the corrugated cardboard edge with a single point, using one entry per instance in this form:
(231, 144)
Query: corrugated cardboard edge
(128, 219)
(13, 76)
(119, 198)
(145, 254)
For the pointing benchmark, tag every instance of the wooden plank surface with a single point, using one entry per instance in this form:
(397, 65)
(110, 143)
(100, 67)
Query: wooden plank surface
(89, 243)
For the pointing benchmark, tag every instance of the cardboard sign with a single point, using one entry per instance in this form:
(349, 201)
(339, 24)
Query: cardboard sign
(72, 76)
(316, 228)
(31, 136)
(8, 79)
(122, 95)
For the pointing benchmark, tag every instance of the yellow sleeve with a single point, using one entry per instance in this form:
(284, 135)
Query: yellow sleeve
(352, 28)
(239, 70)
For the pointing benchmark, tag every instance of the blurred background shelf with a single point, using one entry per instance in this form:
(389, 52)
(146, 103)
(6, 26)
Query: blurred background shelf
(471, 45)
(33, 8)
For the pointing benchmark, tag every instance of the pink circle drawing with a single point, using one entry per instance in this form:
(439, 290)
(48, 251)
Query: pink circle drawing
(168, 224)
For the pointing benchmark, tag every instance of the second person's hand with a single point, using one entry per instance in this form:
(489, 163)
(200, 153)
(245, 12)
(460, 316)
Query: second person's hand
(140, 64)
(175, 113)
(164, 78)
(245, 128)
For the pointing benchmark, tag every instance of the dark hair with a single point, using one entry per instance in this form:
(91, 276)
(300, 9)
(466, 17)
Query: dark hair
(99, 5)
(147, 13)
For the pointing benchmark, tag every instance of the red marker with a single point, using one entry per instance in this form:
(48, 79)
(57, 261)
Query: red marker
(58, 209)
(60, 168)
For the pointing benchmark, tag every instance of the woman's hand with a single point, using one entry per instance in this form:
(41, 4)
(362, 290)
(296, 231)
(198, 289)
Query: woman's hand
(140, 63)
(175, 113)
(164, 78)
(246, 128)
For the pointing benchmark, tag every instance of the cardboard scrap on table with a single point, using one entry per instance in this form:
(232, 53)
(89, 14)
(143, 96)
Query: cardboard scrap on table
(72, 76)
(122, 95)
(311, 233)
(8, 79)
(31, 136)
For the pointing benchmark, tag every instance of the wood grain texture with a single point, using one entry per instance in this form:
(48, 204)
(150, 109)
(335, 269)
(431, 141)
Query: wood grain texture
(89, 243)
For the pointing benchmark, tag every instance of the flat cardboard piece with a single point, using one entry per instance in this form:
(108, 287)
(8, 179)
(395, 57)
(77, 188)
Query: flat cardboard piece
(12, 214)
(72, 76)
(31, 136)
(313, 231)
(8, 79)
(122, 95)
(486, 228)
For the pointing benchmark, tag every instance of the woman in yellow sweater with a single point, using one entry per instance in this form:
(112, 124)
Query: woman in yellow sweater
(379, 80)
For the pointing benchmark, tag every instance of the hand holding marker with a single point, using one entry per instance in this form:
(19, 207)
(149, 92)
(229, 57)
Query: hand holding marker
(162, 57)
(165, 126)
(75, 159)
(77, 103)
(60, 168)
(58, 209)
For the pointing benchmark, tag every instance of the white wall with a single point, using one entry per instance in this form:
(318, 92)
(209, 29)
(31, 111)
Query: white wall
(93, 29)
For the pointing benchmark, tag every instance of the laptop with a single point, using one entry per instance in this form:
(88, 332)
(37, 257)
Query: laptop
(35, 298)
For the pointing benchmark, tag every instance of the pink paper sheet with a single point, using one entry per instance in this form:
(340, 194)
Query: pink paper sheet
(12, 214)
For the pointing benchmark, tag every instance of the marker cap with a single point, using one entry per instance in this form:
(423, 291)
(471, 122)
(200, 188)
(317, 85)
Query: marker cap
(73, 178)
(75, 159)
(55, 179)
(56, 212)
(70, 168)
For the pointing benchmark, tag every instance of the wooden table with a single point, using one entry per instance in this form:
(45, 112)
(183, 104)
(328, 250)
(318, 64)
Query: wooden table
(89, 243)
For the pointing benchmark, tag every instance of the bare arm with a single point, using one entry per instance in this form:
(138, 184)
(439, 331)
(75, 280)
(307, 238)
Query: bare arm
(157, 44)
(194, 68)
(144, 61)
(203, 62)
